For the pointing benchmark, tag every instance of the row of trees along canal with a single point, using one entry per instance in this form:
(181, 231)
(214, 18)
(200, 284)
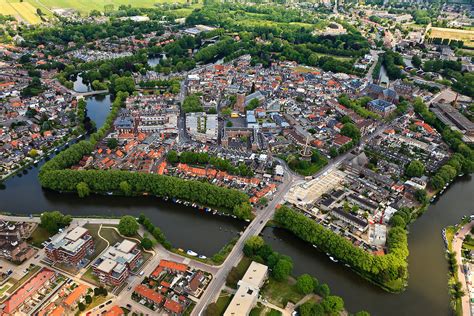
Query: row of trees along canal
(56, 175)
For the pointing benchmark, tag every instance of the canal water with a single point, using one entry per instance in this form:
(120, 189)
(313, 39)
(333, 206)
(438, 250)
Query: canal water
(204, 233)
(80, 86)
(427, 292)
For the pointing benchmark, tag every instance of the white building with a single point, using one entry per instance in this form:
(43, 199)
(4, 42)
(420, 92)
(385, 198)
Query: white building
(247, 294)
(202, 127)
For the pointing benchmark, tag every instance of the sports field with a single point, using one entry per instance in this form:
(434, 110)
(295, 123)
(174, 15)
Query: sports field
(22, 11)
(467, 36)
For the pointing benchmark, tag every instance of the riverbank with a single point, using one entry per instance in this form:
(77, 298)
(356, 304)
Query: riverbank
(454, 237)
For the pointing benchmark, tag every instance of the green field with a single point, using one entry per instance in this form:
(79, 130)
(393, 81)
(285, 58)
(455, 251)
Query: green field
(22, 11)
(86, 6)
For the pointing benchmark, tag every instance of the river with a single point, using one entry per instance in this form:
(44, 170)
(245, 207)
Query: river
(427, 292)
(188, 228)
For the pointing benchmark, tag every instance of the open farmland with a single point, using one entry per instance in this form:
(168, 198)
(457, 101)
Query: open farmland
(464, 35)
(87, 6)
(22, 11)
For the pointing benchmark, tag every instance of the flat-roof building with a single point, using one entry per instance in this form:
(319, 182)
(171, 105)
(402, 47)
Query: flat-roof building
(247, 294)
(114, 265)
(452, 117)
(70, 247)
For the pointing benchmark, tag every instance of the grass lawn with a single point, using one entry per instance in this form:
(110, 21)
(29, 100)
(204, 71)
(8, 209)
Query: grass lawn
(223, 302)
(39, 236)
(280, 293)
(189, 310)
(3, 290)
(90, 277)
(20, 282)
(67, 267)
(99, 243)
(241, 268)
(257, 310)
(96, 301)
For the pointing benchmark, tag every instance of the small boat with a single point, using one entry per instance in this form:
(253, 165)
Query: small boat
(180, 250)
(110, 193)
(191, 253)
(315, 246)
(347, 265)
(202, 257)
(333, 260)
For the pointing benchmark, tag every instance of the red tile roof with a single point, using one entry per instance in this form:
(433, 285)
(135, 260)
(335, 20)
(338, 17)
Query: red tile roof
(149, 294)
(115, 311)
(173, 306)
(171, 265)
(27, 290)
(75, 295)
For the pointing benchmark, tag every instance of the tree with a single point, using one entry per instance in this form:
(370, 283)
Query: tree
(192, 103)
(305, 284)
(397, 221)
(351, 130)
(332, 304)
(126, 188)
(229, 124)
(33, 153)
(323, 290)
(252, 245)
(81, 306)
(112, 143)
(306, 309)
(53, 221)
(125, 84)
(147, 243)
(415, 169)
(83, 189)
(253, 104)
(421, 195)
(243, 210)
(416, 61)
(172, 157)
(128, 226)
(362, 313)
(262, 201)
(88, 299)
(282, 269)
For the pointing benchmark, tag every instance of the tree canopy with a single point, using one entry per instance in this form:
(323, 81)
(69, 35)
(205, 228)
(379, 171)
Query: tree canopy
(128, 226)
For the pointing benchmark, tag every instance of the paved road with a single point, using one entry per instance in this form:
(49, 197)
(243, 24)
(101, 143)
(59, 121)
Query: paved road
(457, 244)
(375, 55)
(255, 227)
